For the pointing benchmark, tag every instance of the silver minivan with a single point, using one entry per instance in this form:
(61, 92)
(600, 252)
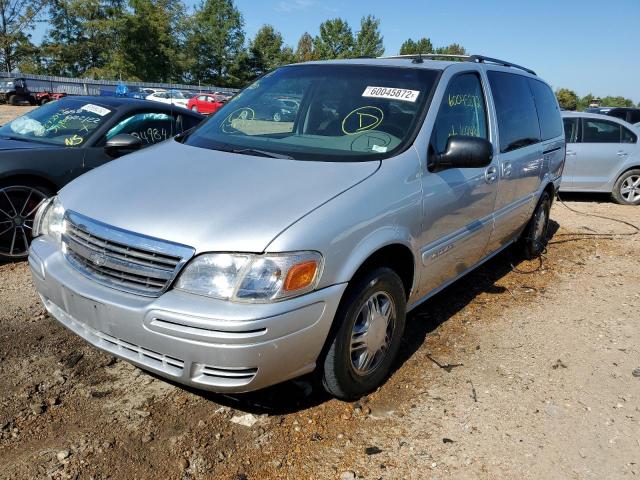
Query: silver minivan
(250, 251)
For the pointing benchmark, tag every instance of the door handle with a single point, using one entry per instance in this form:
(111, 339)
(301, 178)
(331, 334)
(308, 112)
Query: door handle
(622, 154)
(491, 174)
(506, 169)
(571, 153)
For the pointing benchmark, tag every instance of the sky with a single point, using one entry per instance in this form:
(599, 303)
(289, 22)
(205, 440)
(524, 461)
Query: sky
(586, 45)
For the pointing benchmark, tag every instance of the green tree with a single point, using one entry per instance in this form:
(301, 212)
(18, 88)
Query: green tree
(216, 41)
(17, 18)
(156, 28)
(369, 40)
(267, 50)
(334, 41)
(305, 51)
(584, 102)
(82, 37)
(453, 49)
(567, 99)
(409, 47)
(616, 102)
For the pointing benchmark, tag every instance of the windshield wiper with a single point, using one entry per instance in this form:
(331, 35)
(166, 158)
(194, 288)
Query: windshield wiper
(263, 153)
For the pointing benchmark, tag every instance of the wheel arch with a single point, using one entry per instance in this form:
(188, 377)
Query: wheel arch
(395, 255)
(28, 179)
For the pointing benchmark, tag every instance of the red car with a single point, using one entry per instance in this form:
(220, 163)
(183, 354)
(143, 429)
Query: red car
(206, 103)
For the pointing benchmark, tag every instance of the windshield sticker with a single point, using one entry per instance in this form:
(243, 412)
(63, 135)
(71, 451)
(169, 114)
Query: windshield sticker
(362, 119)
(379, 148)
(90, 107)
(73, 141)
(391, 93)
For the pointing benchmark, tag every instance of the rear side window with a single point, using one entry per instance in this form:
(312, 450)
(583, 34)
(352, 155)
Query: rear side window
(462, 111)
(516, 111)
(570, 130)
(628, 136)
(548, 110)
(600, 131)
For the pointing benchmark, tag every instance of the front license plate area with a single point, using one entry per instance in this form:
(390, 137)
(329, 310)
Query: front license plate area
(85, 310)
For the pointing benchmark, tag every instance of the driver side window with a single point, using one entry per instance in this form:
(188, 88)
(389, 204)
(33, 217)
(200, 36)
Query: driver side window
(149, 127)
(462, 112)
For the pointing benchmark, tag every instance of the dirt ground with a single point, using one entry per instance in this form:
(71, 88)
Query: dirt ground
(520, 370)
(8, 113)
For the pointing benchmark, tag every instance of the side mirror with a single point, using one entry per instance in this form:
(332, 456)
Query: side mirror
(462, 152)
(122, 144)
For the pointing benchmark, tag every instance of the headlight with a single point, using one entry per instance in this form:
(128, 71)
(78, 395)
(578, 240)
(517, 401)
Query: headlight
(252, 278)
(49, 219)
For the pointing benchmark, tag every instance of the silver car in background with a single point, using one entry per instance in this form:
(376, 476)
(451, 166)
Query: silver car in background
(603, 155)
(251, 251)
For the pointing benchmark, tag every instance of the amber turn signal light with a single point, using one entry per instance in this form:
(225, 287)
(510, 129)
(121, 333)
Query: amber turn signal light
(300, 276)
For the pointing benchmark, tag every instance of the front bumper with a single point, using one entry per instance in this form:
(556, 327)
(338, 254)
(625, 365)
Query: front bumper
(198, 341)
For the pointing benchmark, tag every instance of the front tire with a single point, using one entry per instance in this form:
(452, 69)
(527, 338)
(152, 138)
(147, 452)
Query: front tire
(194, 108)
(626, 190)
(18, 205)
(534, 238)
(12, 100)
(370, 323)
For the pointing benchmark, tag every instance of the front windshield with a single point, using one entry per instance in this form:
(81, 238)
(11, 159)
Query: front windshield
(322, 112)
(65, 122)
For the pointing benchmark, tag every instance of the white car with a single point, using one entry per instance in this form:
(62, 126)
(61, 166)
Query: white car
(149, 91)
(171, 97)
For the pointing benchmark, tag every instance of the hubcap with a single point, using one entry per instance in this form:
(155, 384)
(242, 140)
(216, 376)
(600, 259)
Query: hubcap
(372, 333)
(18, 206)
(630, 189)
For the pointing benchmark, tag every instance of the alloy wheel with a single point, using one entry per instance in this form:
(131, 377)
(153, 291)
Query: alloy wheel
(18, 206)
(372, 333)
(630, 188)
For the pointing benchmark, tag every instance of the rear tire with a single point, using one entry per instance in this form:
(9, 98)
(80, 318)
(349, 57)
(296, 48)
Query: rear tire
(194, 108)
(534, 238)
(626, 190)
(368, 330)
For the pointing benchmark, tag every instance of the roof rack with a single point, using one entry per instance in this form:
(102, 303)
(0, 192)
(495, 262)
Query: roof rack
(429, 56)
(483, 59)
(419, 57)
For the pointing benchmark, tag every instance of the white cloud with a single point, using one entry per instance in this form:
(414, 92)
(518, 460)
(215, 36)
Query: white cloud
(292, 5)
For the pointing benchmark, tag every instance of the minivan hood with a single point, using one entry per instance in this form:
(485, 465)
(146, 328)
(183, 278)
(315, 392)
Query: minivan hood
(207, 199)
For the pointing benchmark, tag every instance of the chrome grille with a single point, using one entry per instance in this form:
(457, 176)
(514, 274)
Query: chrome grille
(120, 259)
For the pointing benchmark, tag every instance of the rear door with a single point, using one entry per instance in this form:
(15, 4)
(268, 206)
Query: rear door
(605, 146)
(520, 156)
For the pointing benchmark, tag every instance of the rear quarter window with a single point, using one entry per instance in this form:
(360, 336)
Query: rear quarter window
(516, 111)
(548, 110)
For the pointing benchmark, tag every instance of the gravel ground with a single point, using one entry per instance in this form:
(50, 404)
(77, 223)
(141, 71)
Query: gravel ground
(520, 370)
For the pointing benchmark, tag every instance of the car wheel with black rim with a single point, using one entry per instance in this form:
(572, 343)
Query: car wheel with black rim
(626, 190)
(18, 206)
(368, 330)
(534, 238)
